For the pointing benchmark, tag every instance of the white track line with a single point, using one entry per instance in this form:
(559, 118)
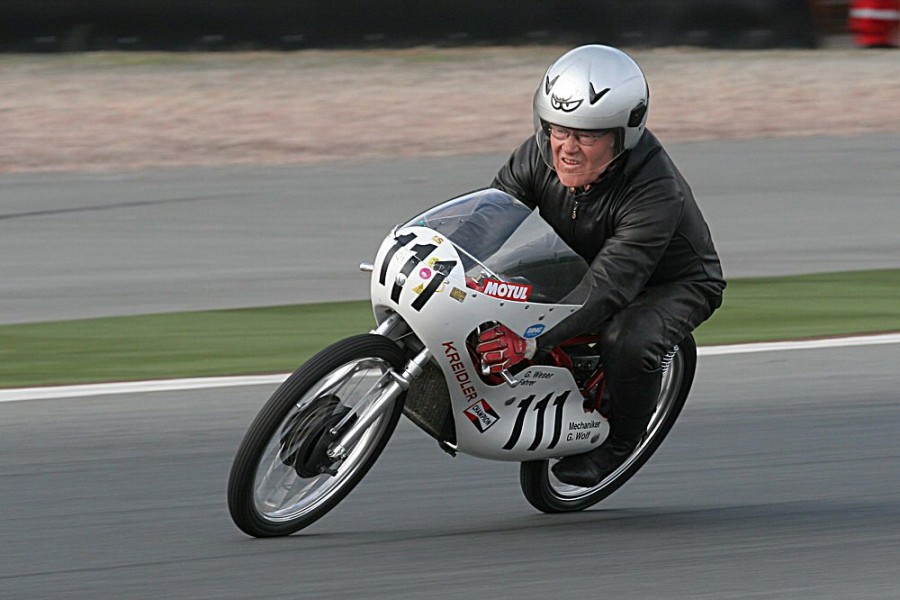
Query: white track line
(843, 342)
(131, 387)
(198, 383)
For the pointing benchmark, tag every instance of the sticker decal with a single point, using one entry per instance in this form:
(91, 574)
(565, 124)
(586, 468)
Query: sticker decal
(399, 242)
(441, 268)
(548, 85)
(565, 104)
(463, 379)
(534, 331)
(457, 294)
(518, 292)
(482, 415)
(419, 253)
(425, 273)
(582, 430)
(540, 409)
(595, 97)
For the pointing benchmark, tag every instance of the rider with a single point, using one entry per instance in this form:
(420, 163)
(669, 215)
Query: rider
(610, 190)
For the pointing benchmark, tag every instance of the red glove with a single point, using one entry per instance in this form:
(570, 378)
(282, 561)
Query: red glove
(500, 348)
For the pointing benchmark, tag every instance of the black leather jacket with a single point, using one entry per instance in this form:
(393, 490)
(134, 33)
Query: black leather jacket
(637, 227)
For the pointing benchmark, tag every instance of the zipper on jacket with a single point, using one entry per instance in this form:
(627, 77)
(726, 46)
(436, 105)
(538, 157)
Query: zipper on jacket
(572, 223)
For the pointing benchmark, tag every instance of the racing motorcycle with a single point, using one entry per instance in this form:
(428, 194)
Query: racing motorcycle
(437, 281)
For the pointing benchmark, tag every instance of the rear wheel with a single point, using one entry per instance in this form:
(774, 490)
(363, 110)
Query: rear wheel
(282, 479)
(548, 494)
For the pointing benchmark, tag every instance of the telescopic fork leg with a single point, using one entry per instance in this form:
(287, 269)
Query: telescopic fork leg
(400, 382)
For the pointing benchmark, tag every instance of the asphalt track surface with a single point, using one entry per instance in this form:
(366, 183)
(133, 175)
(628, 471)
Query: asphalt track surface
(780, 479)
(84, 245)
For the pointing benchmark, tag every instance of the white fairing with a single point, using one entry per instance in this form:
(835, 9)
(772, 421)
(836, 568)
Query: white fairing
(530, 281)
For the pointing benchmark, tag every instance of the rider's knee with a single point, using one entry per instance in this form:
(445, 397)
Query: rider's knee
(631, 342)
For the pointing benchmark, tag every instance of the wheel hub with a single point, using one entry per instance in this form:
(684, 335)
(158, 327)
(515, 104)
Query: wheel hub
(306, 436)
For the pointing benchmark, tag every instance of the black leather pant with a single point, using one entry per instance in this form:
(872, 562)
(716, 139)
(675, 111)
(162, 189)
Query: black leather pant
(634, 341)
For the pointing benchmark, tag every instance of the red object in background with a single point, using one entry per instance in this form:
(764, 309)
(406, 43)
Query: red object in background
(875, 23)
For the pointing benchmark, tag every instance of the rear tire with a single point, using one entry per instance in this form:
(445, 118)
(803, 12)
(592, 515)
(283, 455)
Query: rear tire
(547, 494)
(281, 480)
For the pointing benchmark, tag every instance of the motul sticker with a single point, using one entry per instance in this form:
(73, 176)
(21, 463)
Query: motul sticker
(518, 292)
(482, 415)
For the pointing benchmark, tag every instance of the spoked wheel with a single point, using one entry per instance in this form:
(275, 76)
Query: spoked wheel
(282, 478)
(548, 494)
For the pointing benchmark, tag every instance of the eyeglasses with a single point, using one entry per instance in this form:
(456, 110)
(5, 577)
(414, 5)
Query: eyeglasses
(585, 138)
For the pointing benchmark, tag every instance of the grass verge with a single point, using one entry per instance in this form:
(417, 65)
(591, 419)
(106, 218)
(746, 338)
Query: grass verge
(278, 339)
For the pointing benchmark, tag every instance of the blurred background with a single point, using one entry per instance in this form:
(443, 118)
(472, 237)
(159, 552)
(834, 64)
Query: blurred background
(77, 25)
(161, 156)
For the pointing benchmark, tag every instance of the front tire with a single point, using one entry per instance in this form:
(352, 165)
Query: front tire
(547, 494)
(282, 479)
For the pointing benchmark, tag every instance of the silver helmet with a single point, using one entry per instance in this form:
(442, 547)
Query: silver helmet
(597, 88)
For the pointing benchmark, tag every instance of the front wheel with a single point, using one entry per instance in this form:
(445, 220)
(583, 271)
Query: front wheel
(548, 494)
(282, 478)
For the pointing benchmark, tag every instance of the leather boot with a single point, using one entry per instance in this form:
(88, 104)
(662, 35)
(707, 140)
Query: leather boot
(633, 405)
(590, 468)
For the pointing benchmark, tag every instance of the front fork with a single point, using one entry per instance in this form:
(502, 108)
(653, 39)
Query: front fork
(399, 383)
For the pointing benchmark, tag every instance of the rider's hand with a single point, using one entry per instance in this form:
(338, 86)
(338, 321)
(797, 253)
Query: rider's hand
(500, 348)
